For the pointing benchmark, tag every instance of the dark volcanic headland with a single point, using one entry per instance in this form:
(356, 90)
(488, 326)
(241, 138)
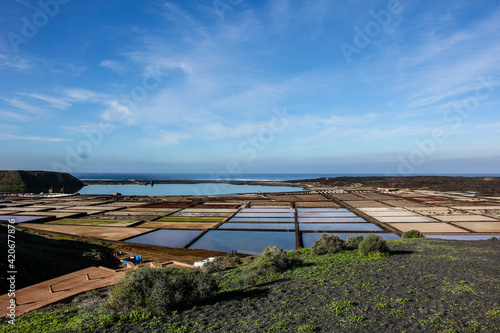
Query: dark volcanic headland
(19, 181)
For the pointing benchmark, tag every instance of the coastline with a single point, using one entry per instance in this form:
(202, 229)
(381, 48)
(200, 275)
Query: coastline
(478, 185)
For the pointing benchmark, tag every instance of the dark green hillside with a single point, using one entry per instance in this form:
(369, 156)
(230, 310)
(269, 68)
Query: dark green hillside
(19, 181)
(40, 258)
(422, 285)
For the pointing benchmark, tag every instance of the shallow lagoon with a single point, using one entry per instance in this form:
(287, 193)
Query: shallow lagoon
(184, 189)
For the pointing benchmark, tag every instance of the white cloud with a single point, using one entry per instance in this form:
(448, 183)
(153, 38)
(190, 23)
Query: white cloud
(57, 102)
(118, 112)
(83, 95)
(26, 107)
(117, 66)
(167, 138)
(19, 64)
(33, 138)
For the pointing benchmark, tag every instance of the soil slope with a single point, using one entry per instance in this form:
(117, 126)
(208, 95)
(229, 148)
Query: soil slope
(424, 285)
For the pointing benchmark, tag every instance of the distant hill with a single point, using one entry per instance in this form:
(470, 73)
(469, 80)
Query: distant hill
(19, 181)
(483, 185)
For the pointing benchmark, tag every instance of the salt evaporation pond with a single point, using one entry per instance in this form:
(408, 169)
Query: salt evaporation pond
(21, 218)
(338, 227)
(170, 238)
(262, 219)
(276, 226)
(330, 220)
(247, 215)
(255, 241)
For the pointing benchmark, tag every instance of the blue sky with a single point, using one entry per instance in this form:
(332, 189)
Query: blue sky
(232, 86)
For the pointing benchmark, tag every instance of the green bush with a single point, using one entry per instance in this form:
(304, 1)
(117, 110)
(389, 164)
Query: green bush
(372, 244)
(327, 244)
(233, 261)
(352, 243)
(216, 265)
(274, 259)
(248, 277)
(413, 234)
(156, 290)
(493, 238)
(91, 306)
(95, 255)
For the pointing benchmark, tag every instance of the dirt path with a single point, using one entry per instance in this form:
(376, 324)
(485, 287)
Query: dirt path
(69, 285)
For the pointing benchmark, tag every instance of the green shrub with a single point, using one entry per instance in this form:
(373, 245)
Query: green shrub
(248, 277)
(91, 307)
(493, 238)
(352, 243)
(372, 244)
(216, 265)
(248, 260)
(233, 261)
(95, 255)
(274, 259)
(327, 244)
(413, 234)
(156, 290)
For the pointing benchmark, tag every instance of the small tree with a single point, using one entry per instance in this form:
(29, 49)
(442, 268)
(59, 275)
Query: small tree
(327, 244)
(372, 244)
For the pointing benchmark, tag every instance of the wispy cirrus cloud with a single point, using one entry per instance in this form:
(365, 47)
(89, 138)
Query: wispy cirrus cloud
(37, 139)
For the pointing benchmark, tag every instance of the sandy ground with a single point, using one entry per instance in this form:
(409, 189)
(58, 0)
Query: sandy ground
(201, 215)
(273, 204)
(480, 226)
(102, 223)
(390, 219)
(403, 203)
(347, 196)
(58, 215)
(178, 225)
(388, 214)
(210, 210)
(316, 204)
(133, 213)
(366, 204)
(146, 210)
(464, 218)
(39, 295)
(476, 207)
(108, 233)
(427, 227)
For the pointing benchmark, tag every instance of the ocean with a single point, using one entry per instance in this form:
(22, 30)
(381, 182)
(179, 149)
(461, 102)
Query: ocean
(239, 177)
